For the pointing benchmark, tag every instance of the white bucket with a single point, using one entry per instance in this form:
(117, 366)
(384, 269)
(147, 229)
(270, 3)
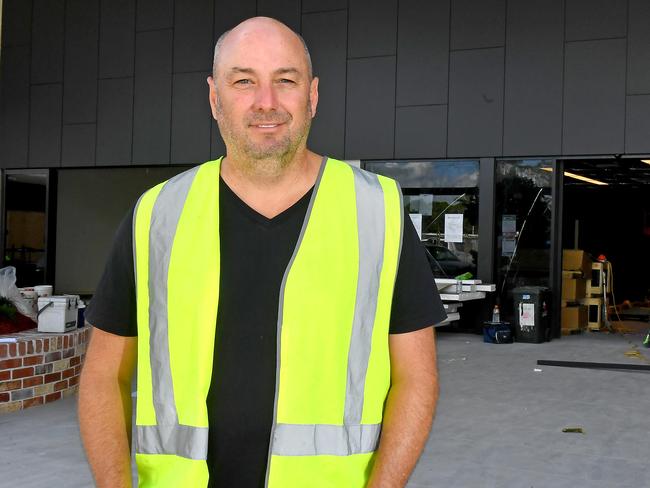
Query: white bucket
(43, 290)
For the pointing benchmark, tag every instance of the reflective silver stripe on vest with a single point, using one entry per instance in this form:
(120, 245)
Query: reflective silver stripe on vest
(325, 440)
(167, 437)
(371, 224)
(180, 440)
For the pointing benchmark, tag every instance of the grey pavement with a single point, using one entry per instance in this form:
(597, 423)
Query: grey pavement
(499, 422)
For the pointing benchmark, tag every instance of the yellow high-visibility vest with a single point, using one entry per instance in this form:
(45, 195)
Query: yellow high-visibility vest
(333, 367)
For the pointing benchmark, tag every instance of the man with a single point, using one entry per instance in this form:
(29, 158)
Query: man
(300, 262)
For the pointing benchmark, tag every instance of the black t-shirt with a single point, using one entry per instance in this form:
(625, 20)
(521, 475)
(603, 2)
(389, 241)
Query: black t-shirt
(255, 252)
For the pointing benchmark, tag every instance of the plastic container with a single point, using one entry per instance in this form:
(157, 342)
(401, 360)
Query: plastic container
(532, 317)
(43, 290)
(57, 313)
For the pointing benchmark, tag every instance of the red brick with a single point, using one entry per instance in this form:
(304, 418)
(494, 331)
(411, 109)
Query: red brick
(77, 369)
(10, 385)
(4, 397)
(52, 396)
(67, 373)
(75, 360)
(32, 360)
(33, 381)
(22, 372)
(39, 346)
(60, 385)
(22, 348)
(11, 363)
(30, 347)
(68, 353)
(73, 381)
(46, 345)
(5, 375)
(52, 377)
(12, 350)
(4, 351)
(52, 356)
(33, 401)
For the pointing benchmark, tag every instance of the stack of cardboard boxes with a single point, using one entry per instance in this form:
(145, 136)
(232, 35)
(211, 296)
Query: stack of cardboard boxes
(576, 273)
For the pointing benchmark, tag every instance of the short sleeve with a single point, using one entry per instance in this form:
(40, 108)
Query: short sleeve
(416, 301)
(113, 306)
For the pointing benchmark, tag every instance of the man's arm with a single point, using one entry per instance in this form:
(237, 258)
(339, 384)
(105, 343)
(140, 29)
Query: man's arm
(105, 407)
(410, 407)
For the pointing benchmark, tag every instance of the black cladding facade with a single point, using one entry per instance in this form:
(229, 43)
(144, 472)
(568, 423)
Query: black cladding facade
(120, 83)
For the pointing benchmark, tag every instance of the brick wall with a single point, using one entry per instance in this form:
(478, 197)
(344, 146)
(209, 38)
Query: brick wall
(40, 368)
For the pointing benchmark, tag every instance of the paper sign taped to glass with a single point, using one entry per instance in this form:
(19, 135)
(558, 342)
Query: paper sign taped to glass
(454, 228)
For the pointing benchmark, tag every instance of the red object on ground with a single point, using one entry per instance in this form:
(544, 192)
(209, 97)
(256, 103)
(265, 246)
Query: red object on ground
(19, 324)
(602, 258)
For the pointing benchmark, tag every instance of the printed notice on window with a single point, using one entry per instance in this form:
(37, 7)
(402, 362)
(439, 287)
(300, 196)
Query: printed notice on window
(416, 218)
(454, 228)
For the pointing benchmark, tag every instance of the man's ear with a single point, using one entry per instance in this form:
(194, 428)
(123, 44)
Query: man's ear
(212, 95)
(313, 95)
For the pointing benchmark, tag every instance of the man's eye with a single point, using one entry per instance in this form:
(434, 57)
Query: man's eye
(244, 81)
(286, 80)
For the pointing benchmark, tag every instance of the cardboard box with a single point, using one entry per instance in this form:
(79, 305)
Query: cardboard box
(574, 317)
(573, 289)
(576, 260)
(594, 312)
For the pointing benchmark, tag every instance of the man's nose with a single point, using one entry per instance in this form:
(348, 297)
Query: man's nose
(266, 97)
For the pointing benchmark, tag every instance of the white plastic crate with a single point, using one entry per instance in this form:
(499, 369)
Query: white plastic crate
(57, 313)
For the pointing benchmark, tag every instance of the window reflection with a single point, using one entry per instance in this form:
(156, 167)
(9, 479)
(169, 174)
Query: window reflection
(432, 191)
(523, 223)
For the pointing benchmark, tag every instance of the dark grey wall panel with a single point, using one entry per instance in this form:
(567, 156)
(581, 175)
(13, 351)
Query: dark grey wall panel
(78, 145)
(117, 38)
(323, 5)
(190, 119)
(287, 11)
(80, 101)
(217, 147)
(193, 35)
(45, 125)
(370, 117)
(594, 97)
(14, 107)
(114, 121)
(595, 19)
(81, 37)
(478, 23)
(47, 41)
(155, 14)
(534, 68)
(475, 103)
(228, 14)
(421, 132)
(638, 48)
(326, 35)
(423, 52)
(152, 100)
(637, 128)
(372, 28)
(16, 30)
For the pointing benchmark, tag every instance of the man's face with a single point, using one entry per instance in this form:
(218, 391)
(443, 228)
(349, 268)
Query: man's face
(263, 98)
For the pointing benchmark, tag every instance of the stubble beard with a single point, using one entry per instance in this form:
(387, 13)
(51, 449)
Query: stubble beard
(264, 159)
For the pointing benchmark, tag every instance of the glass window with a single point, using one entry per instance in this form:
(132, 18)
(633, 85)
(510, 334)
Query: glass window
(523, 224)
(432, 190)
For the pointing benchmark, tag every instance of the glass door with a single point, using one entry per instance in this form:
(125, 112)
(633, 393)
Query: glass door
(524, 227)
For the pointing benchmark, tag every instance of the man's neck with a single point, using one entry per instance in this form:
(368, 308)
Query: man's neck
(271, 192)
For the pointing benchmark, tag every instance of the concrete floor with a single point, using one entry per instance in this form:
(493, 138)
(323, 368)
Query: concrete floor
(499, 422)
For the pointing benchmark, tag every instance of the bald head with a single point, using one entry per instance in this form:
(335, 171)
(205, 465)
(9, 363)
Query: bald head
(260, 27)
